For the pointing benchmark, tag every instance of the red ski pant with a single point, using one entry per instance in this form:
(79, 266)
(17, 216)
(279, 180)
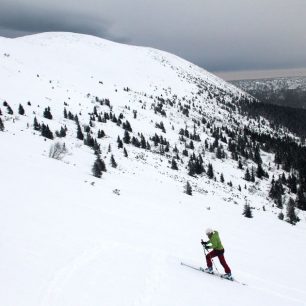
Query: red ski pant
(220, 255)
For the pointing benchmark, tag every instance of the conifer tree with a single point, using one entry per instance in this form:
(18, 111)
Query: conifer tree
(21, 110)
(219, 152)
(80, 133)
(9, 110)
(120, 143)
(125, 152)
(47, 113)
(46, 132)
(101, 163)
(126, 137)
(113, 162)
(221, 178)
(247, 175)
(240, 166)
(260, 172)
(96, 171)
(1, 125)
(292, 218)
(257, 157)
(292, 182)
(252, 175)
(101, 134)
(61, 133)
(300, 199)
(96, 147)
(188, 189)
(174, 164)
(247, 212)
(143, 142)
(281, 216)
(279, 201)
(210, 171)
(36, 125)
(89, 140)
(191, 145)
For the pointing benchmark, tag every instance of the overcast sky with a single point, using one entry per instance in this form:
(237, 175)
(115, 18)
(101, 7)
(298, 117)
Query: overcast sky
(219, 35)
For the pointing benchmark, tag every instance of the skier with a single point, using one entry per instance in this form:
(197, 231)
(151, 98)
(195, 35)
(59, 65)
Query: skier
(214, 243)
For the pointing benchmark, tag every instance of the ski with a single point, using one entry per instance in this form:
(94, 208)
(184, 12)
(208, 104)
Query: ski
(213, 274)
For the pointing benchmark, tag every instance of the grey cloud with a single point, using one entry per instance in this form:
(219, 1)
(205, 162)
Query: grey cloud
(218, 35)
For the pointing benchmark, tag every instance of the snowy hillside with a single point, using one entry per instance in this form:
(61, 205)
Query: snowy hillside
(70, 238)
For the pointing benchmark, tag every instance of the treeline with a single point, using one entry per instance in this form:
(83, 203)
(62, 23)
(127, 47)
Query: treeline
(292, 118)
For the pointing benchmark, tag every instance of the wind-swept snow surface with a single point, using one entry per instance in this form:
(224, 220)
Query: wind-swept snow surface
(70, 239)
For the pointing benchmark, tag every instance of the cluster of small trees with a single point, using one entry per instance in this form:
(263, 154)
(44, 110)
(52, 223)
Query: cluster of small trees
(43, 128)
(62, 132)
(185, 133)
(195, 165)
(160, 126)
(47, 113)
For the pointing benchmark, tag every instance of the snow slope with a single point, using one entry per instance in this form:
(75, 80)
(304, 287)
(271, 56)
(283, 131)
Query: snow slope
(68, 238)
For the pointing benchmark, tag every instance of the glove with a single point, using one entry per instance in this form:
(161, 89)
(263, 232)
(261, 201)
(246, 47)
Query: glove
(207, 247)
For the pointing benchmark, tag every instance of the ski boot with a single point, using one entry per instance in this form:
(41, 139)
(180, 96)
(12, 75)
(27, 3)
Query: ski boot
(208, 270)
(228, 276)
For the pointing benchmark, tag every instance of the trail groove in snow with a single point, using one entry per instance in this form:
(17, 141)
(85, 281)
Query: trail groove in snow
(52, 294)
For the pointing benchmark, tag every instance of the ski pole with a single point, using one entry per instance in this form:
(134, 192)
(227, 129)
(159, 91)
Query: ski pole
(211, 260)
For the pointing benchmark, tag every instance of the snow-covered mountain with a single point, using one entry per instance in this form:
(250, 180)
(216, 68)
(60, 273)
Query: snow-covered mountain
(70, 238)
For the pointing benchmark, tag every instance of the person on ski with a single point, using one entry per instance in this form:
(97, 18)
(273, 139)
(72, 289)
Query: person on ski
(215, 244)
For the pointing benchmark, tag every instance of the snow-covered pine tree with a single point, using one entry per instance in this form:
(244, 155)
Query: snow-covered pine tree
(221, 178)
(210, 171)
(46, 132)
(188, 188)
(96, 170)
(300, 199)
(113, 162)
(47, 113)
(1, 125)
(291, 215)
(36, 125)
(125, 152)
(281, 216)
(260, 171)
(126, 137)
(80, 134)
(247, 175)
(174, 164)
(247, 212)
(21, 110)
(120, 143)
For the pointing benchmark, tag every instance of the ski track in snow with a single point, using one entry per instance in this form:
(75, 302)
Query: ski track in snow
(153, 281)
(283, 296)
(52, 294)
(272, 286)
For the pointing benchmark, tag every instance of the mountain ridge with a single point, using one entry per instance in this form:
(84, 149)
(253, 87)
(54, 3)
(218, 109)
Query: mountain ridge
(86, 237)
